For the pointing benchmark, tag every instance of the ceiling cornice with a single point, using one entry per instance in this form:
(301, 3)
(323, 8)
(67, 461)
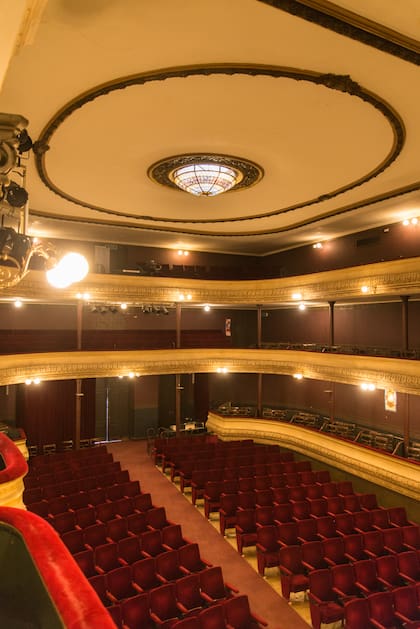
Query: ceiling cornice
(349, 24)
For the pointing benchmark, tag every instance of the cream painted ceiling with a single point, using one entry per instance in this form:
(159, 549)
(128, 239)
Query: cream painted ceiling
(332, 121)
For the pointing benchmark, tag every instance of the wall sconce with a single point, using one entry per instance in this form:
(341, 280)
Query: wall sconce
(182, 252)
(222, 370)
(410, 221)
(317, 245)
(207, 308)
(298, 376)
(32, 381)
(302, 306)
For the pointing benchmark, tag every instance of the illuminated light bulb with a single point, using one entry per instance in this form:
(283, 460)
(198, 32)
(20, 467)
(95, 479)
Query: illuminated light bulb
(73, 267)
(180, 252)
(368, 386)
(414, 221)
(37, 380)
(28, 381)
(121, 377)
(317, 245)
(298, 376)
(222, 370)
(406, 222)
(123, 306)
(207, 308)
(181, 296)
(302, 307)
(131, 374)
(186, 253)
(296, 295)
(189, 296)
(18, 303)
(364, 289)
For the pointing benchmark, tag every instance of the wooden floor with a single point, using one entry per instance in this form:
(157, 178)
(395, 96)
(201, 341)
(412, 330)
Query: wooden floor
(264, 594)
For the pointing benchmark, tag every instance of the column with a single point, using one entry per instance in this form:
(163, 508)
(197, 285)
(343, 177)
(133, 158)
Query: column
(178, 388)
(404, 322)
(79, 393)
(331, 335)
(260, 375)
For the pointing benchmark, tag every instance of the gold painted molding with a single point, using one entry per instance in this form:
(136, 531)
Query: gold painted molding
(11, 493)
(393, 473)
(384, 280)
(393, 373)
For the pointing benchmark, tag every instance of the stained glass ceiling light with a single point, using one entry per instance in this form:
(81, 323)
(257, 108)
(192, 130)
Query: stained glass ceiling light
(205, 174)
(206, 179)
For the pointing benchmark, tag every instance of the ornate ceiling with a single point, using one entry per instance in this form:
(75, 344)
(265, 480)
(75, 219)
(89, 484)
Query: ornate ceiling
(325, 101)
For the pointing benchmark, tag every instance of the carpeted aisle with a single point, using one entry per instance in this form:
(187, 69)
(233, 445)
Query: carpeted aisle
(263, 599)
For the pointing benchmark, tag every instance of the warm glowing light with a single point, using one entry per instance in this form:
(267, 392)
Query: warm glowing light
(368, 386)
(207, 308)
(296, 295)
(414, 221)
(317, 245)
(189, 296)
(18, 303)
(181, 296)
(206, 180)
(364, 289)
(298, 376)
(182, 252)
(28, 381)
(410, 221)
(37, 380)
(73, 267)
(131, 374)
(302, 307)
(123, 306)
(84, 296)
(222, 370)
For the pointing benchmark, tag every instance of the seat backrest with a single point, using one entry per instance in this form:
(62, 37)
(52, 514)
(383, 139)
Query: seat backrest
(405, 601)
(135, 611)
(320, 584)
(381, 607)
(163, 601)
(356, 614)
(212, 583)
(237, 611)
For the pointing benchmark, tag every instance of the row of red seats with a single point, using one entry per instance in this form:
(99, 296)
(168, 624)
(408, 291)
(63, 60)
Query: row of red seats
(50, 485)
(356, 593)
(81, 499)
(55, 467)
(184, 462)
(180, 605)
(318, 554)
(67, 456)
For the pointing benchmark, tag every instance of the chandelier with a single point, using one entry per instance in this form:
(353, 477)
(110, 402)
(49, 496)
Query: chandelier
(206, 179)
(205, 174)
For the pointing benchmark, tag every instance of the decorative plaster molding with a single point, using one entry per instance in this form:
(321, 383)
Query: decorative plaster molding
(393, 473)
(384, 279)
(391, 373)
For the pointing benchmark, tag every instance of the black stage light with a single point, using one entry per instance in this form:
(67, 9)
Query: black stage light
(25, 142)
(15, 195)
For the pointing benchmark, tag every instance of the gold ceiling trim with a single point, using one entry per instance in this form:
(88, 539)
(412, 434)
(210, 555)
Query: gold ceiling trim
(400, 375)
(384, 280)
(341, 83)
(333, 17)
(393, 473)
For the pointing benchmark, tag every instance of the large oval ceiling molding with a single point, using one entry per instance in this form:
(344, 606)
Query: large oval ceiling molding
(376, 107)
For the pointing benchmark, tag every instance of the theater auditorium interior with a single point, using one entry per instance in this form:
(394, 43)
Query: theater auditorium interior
(209, 307)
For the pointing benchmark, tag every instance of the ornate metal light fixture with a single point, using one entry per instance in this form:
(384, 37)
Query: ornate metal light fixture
(205, 174)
